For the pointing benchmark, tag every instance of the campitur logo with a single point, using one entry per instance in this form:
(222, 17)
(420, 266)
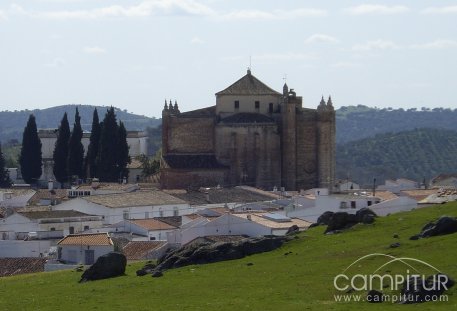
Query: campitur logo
(398, 280)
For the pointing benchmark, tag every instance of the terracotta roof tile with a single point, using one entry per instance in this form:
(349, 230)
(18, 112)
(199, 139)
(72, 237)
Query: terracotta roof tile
(130, 199)
(45, 194)
(247, 117)
(152, 224)
(223, 195)
(52, 214)
(15, 266)
(139, 250)
(248, 85)
(86, 239)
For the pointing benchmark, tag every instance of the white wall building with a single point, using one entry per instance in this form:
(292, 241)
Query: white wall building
(15, 197)
(46, 224)
(153, 229)
(137, 141)
(17, 248)
(250, 224)
(84, 248)
(398, 185)
(135, 205)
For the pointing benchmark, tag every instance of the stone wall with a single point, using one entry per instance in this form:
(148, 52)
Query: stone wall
(183, 179)
(190, 135)
(326, 149)
(225, 104)
(252, 151)
(307, 161)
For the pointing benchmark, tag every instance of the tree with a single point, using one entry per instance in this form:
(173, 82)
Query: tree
(60, 154)
(92, 150)
(76, 149)
(5, 181)
(30, 158)
(107, 166)
(123, 157)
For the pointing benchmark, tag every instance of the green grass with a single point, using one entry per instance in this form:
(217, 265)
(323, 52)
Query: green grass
(302, 280)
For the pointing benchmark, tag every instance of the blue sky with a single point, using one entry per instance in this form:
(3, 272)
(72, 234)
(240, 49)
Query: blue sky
(135, 54)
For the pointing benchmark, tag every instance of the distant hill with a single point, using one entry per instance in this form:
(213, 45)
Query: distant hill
(416, 154)
(357, 122)
(12, 123)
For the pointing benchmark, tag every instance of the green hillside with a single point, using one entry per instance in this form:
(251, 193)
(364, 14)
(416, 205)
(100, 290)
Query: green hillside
(300, 280)
(12, 123)
(416, 154)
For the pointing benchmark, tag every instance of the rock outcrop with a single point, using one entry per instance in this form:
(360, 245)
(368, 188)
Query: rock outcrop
(213, 252)
(107, 266)
(444, 225)
(342, 220)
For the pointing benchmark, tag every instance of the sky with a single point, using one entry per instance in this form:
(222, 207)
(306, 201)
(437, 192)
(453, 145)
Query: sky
(134, 54)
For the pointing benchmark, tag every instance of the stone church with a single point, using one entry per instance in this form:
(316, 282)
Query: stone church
(253, 136)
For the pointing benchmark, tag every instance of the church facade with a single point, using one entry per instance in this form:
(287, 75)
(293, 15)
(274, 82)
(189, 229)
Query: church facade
(253, 136)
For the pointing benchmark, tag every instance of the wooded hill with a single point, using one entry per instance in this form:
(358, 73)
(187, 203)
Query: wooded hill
(357, 122)
(12, 123)
(416, 154)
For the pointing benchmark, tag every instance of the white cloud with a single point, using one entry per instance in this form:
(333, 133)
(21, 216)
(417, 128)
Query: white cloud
(3, 16)
(275, 14)
(376, 9)
(436, 45)
(196, 40)
(321, 38)
(143, 9)
(94, 50)
(375, 45)
(440, 10)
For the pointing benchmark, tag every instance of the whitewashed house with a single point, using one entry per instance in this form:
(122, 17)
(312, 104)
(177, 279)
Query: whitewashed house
(46, 224)
(128, 205)
(346, 185)
(398, 185)
(84, 248)
(251, 224)
(153, 229)
(15, 197)
(136, 140)
(19, 248)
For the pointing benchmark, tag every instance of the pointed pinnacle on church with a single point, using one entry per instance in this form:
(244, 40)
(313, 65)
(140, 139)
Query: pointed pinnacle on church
(285, 89)
(176, 106)
(329, 101)
(170, 106)
(165, 107)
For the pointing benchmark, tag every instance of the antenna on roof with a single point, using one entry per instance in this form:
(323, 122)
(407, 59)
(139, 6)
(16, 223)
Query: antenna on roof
(285, 78)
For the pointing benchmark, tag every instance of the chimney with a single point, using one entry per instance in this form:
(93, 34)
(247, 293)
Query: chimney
(50, 185)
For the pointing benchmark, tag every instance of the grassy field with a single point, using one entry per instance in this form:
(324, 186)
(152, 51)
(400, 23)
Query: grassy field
(301, 280)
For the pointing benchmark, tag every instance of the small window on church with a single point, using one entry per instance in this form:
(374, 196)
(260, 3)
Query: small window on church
(257, 104)
(270, 108)
(237, 104)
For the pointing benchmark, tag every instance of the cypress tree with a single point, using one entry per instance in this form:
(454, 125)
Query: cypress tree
(107, 166)
(92, 150)
(5, 181)
(123, 157)
(30, 158)
(76, 149)
(60, 154)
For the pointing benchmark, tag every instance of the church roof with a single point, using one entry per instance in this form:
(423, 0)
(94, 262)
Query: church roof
(204, 112)
(248, 117)
(248, 85)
